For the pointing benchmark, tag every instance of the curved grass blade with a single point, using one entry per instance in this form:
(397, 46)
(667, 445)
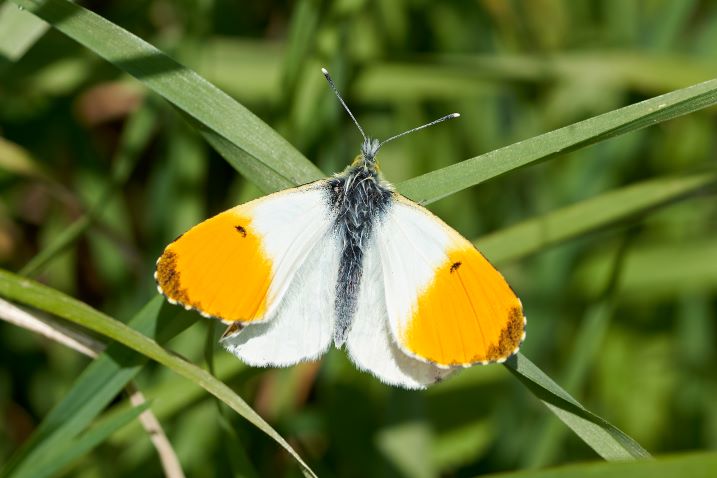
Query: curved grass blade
(71, 450)
(52, 330)
(98, 384)
(606, 439)
(533, 235)
(443, 182)
(31, 293)
(259, 146)
(694, 465)
(585, 348)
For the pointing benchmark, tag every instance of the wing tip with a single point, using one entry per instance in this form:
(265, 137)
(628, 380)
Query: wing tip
(509, 344)
(167, 280)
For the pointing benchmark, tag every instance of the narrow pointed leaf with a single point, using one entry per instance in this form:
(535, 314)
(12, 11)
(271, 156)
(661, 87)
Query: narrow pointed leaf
(606, 439)
(36, 295)
(260, 148)
(69, 451)
(446, 181)
(98, 384)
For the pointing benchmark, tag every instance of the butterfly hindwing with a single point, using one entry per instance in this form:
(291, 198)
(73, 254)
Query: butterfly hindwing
(446, 303)
(302, 326)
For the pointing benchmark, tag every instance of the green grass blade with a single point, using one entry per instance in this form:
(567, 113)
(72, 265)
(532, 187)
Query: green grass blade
(71, 450)
(585, 349)
(171, 396)
(98, 384)
(607, 440)
(31, 293)
(438, 184)
(591, 335)
(265, 179)
(261, 147)
(694, 465)
(533, 235)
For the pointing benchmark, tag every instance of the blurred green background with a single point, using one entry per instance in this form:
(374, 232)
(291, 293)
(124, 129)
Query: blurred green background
(641, 294)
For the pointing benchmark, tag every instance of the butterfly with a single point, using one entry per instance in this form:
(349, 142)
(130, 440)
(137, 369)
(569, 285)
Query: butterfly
(346, 260)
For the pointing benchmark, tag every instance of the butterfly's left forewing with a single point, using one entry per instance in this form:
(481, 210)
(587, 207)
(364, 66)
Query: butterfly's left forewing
(266, 267)
(446, 303)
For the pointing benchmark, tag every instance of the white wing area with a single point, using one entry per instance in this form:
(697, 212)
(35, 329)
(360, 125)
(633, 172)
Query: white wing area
(291, 224)
(412, 244)
(370, 343)
(301, 327)
(295, 230)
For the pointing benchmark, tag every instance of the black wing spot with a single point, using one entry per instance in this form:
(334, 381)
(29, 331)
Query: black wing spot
(241, 230)
(455, 266)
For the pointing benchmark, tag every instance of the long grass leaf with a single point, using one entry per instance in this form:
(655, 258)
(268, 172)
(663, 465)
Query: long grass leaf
(443, 182)
(70, 450)
(98, 384)
(606, 439)
(31, 293)
(262, 148)
(588, 342)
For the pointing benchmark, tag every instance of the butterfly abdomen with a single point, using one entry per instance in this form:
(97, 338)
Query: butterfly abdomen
(358, 199)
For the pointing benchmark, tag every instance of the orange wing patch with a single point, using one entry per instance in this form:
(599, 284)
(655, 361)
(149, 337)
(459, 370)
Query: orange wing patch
(468, 314)
(218, 268)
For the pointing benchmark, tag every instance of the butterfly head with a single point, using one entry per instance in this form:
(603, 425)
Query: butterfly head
(369, 148)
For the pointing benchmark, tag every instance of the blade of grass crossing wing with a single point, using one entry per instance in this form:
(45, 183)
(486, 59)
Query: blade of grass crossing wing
(607, 440)
(443, 182)
(45, 298)
(69, 451)
(185, 89)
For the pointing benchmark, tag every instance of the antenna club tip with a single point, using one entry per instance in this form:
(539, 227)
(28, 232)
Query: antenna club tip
(324, 71)
(455, 115)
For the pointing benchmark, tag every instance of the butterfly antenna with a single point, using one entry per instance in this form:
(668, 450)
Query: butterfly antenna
(338, 95)
(439, 120)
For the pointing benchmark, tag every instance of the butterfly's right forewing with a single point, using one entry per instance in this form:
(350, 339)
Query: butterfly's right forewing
(446, 303)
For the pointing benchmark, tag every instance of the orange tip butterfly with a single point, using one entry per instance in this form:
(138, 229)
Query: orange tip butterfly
(346, 260)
